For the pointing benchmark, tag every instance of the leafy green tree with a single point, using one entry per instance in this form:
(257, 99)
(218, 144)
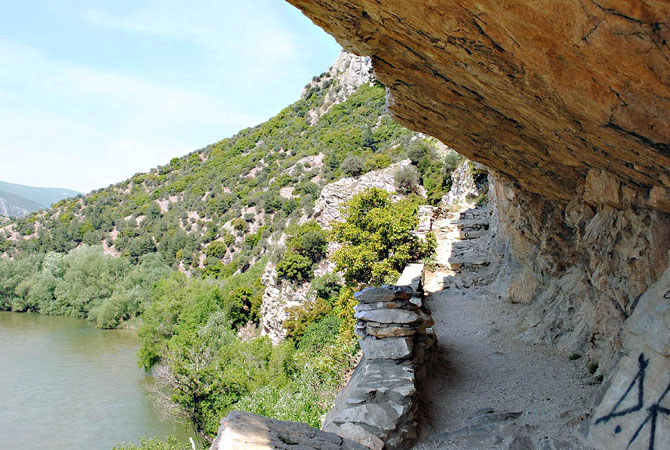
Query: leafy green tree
(308, 240)
(216, 249)
(377, 238)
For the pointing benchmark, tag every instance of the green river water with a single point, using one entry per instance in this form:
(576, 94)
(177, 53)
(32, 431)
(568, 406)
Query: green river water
(67, 385)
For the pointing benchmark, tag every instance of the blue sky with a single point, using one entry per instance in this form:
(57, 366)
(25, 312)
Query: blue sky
(92, 92)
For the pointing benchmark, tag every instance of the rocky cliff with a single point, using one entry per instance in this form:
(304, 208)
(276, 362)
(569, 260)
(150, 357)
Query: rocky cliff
(567, 103)
(8, 209)
(280, 295)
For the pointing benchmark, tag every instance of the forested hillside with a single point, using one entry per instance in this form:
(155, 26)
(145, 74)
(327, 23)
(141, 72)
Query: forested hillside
(179, 251)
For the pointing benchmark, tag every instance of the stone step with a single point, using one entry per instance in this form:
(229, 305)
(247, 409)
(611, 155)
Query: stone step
(473, 224)
(471, 234)
(459, 264)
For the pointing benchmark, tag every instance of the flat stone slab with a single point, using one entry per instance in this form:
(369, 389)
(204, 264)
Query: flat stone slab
(246, 431)
(369, 414)
(401, 316)
(384, 294)
(387, 348)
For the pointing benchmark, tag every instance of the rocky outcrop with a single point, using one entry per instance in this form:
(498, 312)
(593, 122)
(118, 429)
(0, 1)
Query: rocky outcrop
(463, 187)
(246, 431)
(345, 76)
(334, 195)
(567, 103)
(542, 92)
(581, 267)
(281, 295)
(7, 209)
(634, 409)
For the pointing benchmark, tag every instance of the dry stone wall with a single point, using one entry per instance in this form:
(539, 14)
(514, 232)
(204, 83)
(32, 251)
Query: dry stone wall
(378, 407)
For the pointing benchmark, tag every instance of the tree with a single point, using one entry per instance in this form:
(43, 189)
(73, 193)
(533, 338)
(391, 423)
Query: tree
(295, 267)
(216, 249)
(377, 238)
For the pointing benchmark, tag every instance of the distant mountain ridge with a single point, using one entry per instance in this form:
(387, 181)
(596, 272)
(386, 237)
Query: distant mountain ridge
(17, 200)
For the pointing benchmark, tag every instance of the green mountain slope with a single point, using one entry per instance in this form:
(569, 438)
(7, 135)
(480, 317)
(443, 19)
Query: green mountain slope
(227, 191)
(179, 251)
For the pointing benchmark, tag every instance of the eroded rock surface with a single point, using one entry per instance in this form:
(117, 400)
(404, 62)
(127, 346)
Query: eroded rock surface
(540, 91)
(345, 76)
(567, 103)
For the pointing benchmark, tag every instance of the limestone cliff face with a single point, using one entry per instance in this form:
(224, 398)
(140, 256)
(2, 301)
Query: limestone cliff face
(7, 209)
(567, 102)
(540, 91)
(345, 76)
(463, 186)
(334, 195)
(581, 266)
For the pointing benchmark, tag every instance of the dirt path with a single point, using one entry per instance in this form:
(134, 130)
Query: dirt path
(490, 390)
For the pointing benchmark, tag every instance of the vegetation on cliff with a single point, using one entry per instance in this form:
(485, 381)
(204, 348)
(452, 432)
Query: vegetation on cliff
(179, 252)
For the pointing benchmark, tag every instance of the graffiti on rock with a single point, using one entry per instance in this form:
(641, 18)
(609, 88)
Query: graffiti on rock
(636, 388)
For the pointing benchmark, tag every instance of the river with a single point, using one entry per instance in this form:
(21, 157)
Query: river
(67, 385)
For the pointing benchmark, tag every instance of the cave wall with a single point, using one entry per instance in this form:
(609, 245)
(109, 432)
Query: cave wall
(567, 103)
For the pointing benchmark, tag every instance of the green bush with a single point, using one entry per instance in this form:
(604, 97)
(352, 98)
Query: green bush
(406, 180)
(353, 166)
(308, 240)
(321, 333)
(216, 249)
(295, 267)
(417, 150)
(327, 287)
(300, 317)
(377, 238)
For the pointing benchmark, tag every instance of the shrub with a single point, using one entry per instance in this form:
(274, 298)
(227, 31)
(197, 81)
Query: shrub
(228, 239)
(216, 249)
(319, 334)
(300, 317)
(417, 150)
(240, 224)
(406, 180)
(378, 161)
(327, 287)
(308, 240)
(295, 267)
(353, 166)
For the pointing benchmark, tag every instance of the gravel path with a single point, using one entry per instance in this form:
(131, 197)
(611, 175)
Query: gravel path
(489, 390)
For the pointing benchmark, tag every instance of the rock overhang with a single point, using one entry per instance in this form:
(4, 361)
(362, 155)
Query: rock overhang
(541, 91)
